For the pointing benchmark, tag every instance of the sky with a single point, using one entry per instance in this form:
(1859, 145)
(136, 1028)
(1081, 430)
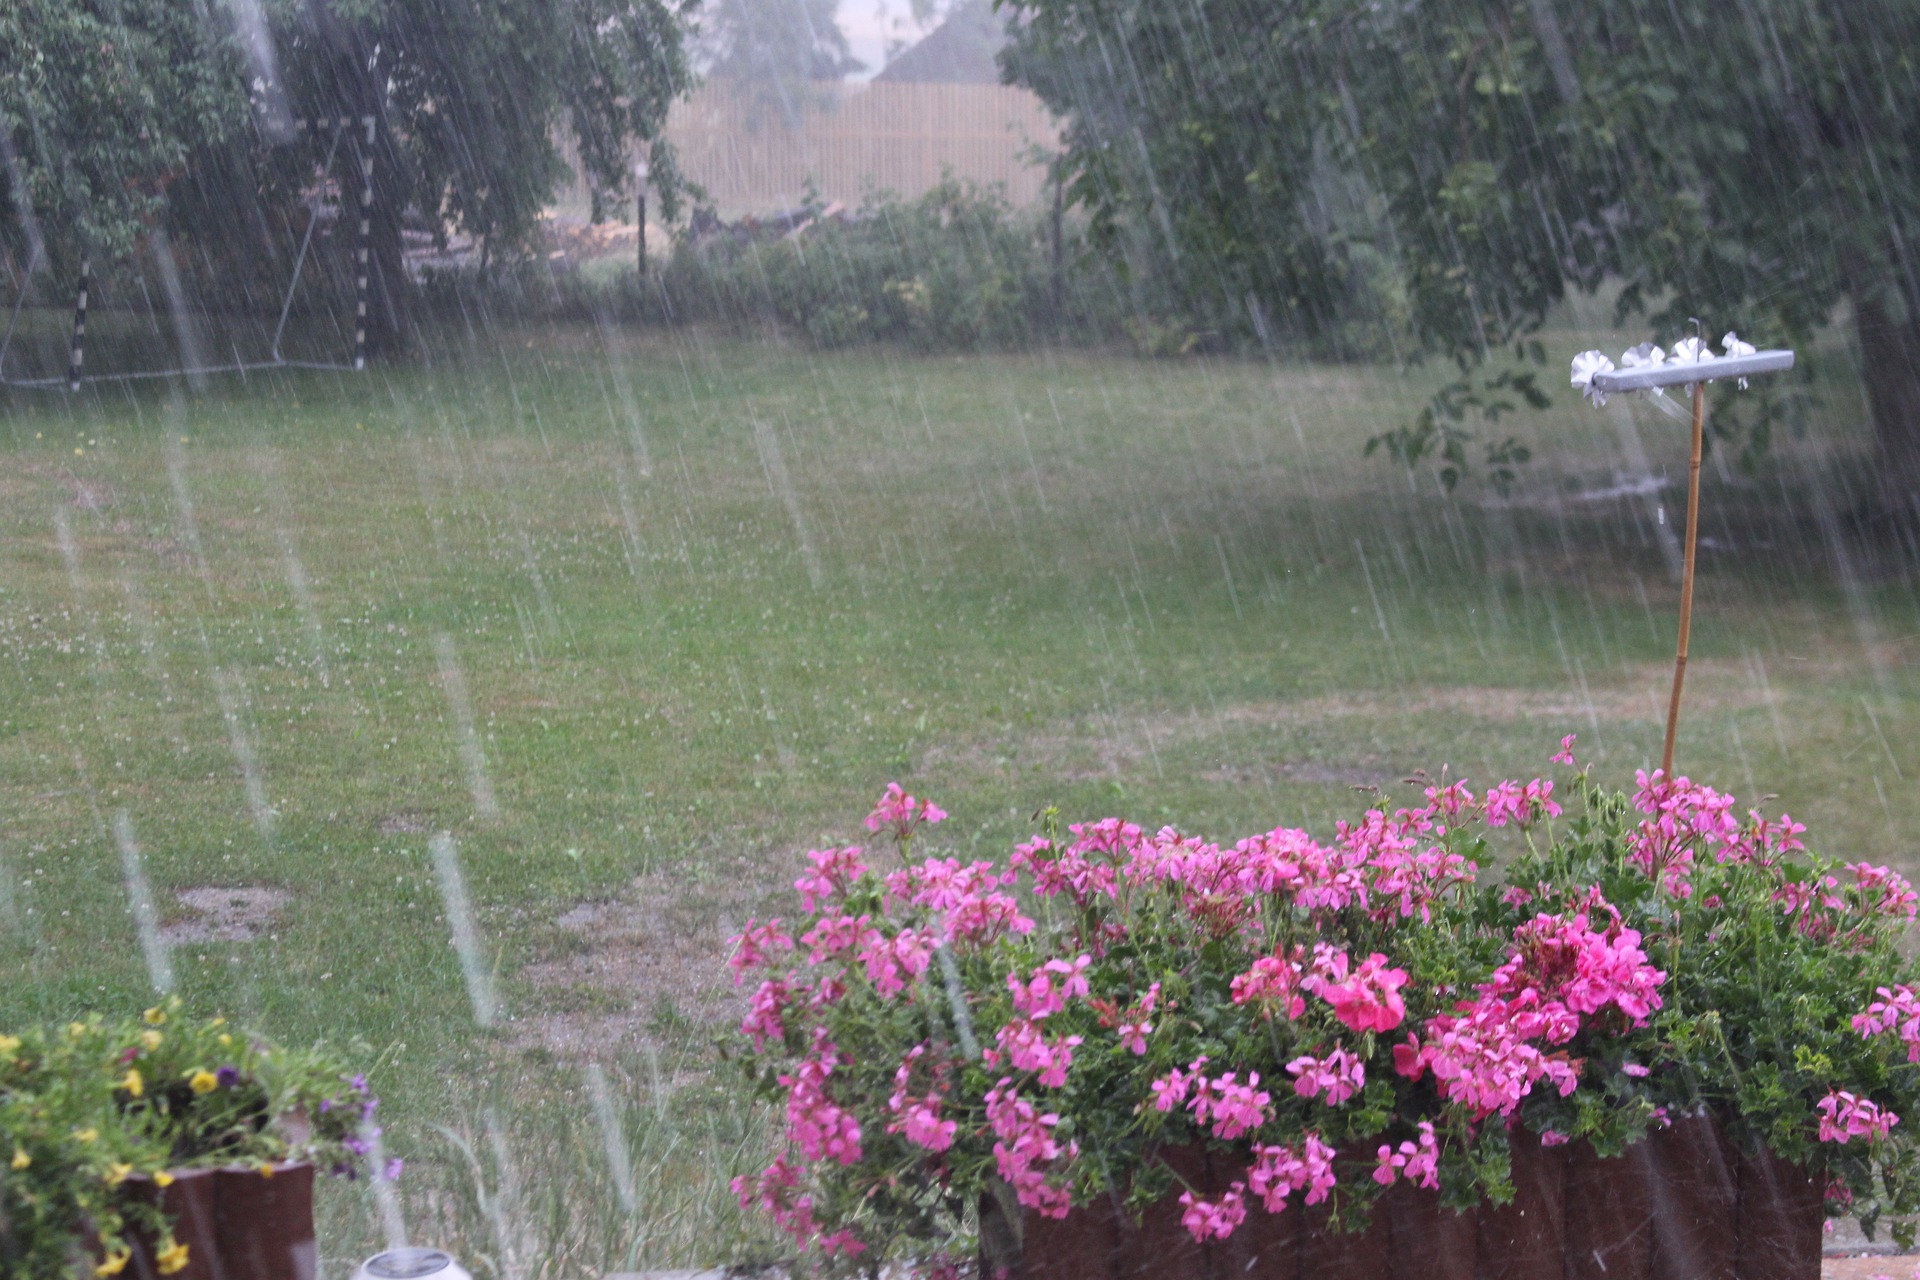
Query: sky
(871, 24)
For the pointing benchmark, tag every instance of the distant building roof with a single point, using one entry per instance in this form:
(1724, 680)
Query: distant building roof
(958, 51)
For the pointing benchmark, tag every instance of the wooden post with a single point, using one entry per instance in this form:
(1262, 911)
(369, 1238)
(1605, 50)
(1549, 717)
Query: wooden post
(77, 349)
(1686, 575)
(1059, 281)
(640, 215)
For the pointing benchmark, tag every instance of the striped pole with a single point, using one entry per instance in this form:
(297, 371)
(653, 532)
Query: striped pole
(360, 253)
(78, 355)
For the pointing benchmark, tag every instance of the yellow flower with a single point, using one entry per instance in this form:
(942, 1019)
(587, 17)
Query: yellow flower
(225, 1040)
(155, 1016)
(162, 1179)
(20, 1157)
(151, 1039)
(76, 1029)
(115, 1263)
(118, 1173)
(171, 1260)
(132, 1082)
(9, 1045)
(203, 1081)
(85, 1135)
(218, 1022)
(266, 1168)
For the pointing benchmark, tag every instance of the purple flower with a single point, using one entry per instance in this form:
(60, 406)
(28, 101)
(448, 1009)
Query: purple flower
(366, 1108)
(227, 1077)
(359, 1083)
(394, 1167)
(359, 1146)
(326, 1105)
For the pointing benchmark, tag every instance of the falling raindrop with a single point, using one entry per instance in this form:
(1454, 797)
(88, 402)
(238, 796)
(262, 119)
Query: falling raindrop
(453, 684)
(619, 1163)
(140, 894)
(474, 965)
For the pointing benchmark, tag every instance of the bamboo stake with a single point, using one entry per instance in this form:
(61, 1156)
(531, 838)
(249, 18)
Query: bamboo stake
(1686, 575)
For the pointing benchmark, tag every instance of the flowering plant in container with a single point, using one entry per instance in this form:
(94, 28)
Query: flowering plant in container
(1330, 1017)
(96, 1117)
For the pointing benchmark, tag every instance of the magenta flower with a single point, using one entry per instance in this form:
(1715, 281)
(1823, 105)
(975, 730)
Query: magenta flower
(1334, 1078)
(1215, 1220)
(902, 813)
(754, 946)
(1844, 1116)
(1370, 999)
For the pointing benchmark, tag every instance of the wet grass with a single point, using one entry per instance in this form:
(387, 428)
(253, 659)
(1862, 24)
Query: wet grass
(637, 617)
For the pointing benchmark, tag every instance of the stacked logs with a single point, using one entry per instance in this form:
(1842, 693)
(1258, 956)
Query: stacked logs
(1683, 1205)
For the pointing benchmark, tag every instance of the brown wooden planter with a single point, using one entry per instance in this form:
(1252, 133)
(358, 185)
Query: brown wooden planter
(1684, 1205)
(237, 1224)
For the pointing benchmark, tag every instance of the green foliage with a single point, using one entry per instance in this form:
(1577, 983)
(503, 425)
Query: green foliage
(91, 1111)
(101, 105)
(1740, 165)
(955, 269)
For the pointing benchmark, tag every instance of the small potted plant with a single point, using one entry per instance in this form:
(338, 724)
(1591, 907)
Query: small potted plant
(169, 1146)
(1665, 1040)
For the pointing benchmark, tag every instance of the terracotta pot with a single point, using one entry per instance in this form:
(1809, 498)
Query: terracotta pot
(1609, 1214)
(191, 1201)
(266, 1223)
(1525, 1239)
(1695, 1182)
(1778, 1223)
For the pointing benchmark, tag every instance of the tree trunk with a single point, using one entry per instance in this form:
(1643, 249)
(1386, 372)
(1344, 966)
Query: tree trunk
(1890, 360)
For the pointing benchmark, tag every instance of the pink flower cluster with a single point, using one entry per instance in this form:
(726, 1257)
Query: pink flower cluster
(1368, 999)
(1844, 1116)
(918, 1118)
(829, 874)
(1418, 1161)
(755, 946)
(815, 1123)
(1214, 1220)
(1023, 1144)
(1563, 959)
(1482, 1056)
(1272, 983)
(1279, 1171)
(1333, 1078)
(1025, 1047)
(1897, 1010)
(974, 908)
(775, 1192)
(1521, 805)
(901, 813)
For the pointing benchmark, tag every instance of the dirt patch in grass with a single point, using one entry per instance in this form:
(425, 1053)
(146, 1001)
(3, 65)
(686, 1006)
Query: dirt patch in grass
(647, 967)
(226, 913)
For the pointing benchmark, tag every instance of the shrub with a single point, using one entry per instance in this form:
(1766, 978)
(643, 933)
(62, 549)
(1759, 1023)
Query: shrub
(91, 1108)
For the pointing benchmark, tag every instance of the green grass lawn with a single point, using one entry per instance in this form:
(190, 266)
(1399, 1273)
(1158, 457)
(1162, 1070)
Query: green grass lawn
(638, 617)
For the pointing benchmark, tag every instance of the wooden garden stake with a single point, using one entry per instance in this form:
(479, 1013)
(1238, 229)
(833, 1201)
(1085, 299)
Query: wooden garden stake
(1648, 369)
(1686, 574)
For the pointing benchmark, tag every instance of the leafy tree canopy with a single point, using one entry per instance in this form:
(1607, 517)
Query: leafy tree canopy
(106, 104)
(1752, 164)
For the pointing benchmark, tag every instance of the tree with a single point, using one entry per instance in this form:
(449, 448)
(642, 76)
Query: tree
(109, 103)
(101, 103)
(1752, 164)
(774, 51)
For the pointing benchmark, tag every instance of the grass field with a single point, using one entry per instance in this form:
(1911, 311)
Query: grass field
(637, 617)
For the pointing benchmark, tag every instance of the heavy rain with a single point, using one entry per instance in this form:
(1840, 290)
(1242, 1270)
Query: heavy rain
(579, 577)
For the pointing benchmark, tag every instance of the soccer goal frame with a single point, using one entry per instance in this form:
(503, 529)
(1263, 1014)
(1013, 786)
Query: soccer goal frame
(358, 133)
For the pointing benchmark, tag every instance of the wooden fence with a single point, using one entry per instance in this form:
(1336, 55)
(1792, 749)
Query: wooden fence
(856, 137)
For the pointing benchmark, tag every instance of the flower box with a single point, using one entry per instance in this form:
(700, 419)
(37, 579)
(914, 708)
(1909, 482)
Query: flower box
(237, 1224)
(1682, 1205)
(1125, 1053)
